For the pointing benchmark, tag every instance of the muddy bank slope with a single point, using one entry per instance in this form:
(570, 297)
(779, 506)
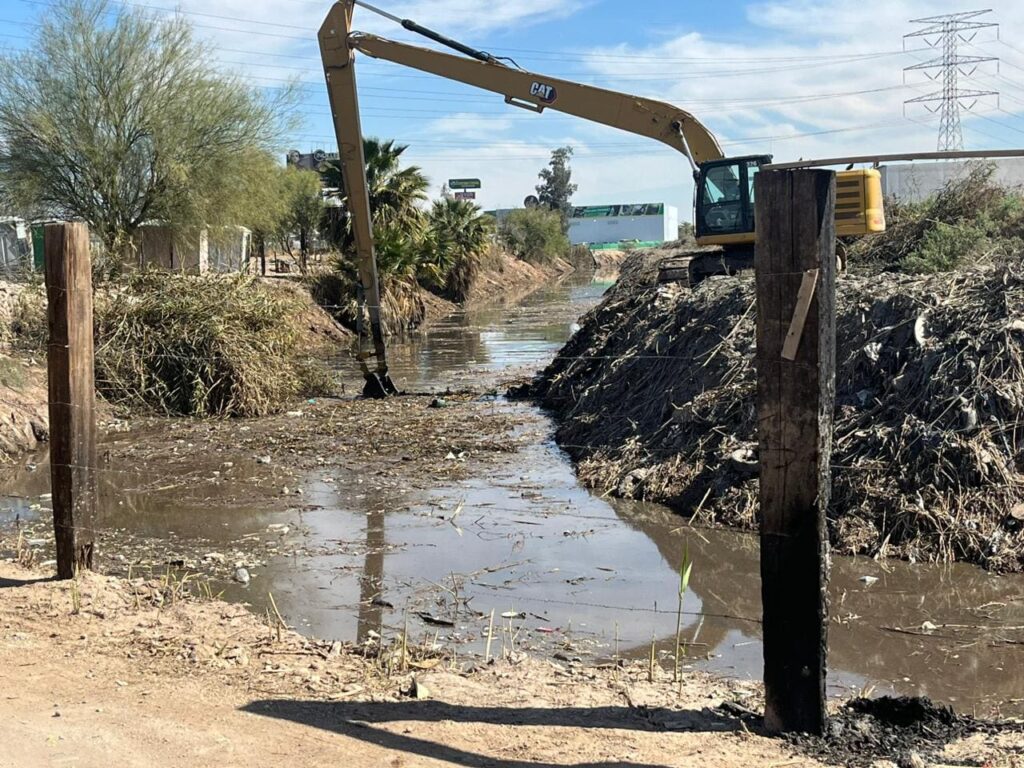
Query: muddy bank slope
(406, 305)
(655, 399)
(23, 411)
(504, 279)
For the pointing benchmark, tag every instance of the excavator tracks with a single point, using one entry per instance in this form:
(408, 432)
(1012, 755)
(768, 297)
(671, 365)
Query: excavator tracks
(691, 267)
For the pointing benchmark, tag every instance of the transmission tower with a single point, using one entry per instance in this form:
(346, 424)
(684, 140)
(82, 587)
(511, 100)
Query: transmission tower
(945, 33)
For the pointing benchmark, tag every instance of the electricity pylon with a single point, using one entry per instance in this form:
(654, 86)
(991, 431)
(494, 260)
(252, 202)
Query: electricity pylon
(945, 33)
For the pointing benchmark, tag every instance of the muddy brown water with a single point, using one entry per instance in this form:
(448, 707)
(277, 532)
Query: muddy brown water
(577, 576)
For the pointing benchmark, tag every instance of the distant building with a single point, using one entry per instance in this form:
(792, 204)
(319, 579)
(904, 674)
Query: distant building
(913, 182)
(642, 222)
(158, 245)
(15, 246)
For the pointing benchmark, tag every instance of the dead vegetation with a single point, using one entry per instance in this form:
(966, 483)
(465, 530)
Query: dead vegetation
(405, 306)
(969, 221)
(655, 397)
(206, 346)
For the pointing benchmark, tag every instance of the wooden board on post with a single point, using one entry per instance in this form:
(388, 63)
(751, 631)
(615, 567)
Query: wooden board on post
(795, 399)
(71, 384)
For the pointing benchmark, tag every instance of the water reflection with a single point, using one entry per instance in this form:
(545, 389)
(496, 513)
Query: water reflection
(372, 578)
(473, 347)
(876, 636)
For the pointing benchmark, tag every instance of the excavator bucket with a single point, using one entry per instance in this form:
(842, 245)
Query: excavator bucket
(379, 386)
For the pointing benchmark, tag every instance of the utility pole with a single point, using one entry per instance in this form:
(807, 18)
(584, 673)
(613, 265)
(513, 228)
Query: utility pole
(945, 33)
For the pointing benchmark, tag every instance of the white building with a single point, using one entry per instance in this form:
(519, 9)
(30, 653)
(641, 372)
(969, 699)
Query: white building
(913, 182)
(644, 222)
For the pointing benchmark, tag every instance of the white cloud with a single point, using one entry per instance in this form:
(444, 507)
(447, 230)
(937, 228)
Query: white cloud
(473, 16)
(274, 24)
(771, 93)
(849, 19)
(785, 80)
(468, 125)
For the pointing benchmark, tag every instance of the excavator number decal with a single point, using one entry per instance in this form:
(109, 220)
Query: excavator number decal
(545, 93)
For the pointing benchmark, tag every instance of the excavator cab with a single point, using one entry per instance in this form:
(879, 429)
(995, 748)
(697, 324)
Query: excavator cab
(724, 210)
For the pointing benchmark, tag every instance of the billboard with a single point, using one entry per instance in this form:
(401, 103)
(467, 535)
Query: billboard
(464, 183)
(310, 161)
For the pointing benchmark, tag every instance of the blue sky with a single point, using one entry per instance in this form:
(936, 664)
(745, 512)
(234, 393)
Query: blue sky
(796, 78)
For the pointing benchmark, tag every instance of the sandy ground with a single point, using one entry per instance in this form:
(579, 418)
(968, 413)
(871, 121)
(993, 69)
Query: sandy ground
(103, 671)
(206, 683)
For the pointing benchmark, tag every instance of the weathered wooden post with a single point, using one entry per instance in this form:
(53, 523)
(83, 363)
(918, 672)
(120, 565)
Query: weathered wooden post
(795, 272)
(72, 394)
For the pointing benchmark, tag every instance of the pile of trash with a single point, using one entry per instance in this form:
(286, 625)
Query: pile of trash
(655, 398)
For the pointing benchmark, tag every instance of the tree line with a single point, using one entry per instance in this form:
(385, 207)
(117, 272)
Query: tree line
(118, 118)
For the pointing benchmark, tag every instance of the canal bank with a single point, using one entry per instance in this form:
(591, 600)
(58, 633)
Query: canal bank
(433, 510)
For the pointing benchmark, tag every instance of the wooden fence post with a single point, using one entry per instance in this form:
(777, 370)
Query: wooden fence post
(72, 394)
(795, 268)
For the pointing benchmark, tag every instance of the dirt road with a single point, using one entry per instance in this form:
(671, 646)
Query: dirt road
(108, 671)
(140, 679)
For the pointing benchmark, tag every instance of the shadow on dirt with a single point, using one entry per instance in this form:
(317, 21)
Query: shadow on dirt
(358, 720)
(8, 583)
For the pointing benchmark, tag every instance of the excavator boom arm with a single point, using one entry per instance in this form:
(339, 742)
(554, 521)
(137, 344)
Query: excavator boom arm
(636, 114)
(644, 117)
(339, 69)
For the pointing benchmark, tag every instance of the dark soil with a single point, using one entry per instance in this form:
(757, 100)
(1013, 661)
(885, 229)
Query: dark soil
(896, 729)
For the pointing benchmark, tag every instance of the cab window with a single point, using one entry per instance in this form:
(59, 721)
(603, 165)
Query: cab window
(752, 168)
(722, 185)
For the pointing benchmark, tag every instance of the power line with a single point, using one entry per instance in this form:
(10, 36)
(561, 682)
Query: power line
(753, 102)
(946, 32)
(822, 59)
(555, 55)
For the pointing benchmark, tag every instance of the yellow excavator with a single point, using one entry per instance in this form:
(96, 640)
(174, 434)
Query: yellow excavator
(724, 194)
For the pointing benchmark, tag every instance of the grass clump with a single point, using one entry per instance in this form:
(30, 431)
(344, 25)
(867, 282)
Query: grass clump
(23, 323)
(969, 221)
(204, 346)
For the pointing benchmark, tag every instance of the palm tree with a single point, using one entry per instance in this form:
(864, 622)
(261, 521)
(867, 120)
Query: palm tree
(457, 236)
(395, 194)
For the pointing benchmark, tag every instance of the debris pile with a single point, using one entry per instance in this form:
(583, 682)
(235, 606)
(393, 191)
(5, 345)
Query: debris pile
(655, 397)
(205, 346)
(905, 730)
(970, 219)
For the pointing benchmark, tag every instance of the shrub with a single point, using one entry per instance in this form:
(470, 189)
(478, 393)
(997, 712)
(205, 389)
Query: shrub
(457, 237)
(945, 247)
(534, 235)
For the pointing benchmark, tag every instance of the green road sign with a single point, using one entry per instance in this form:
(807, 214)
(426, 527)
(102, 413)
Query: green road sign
(464, 183)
